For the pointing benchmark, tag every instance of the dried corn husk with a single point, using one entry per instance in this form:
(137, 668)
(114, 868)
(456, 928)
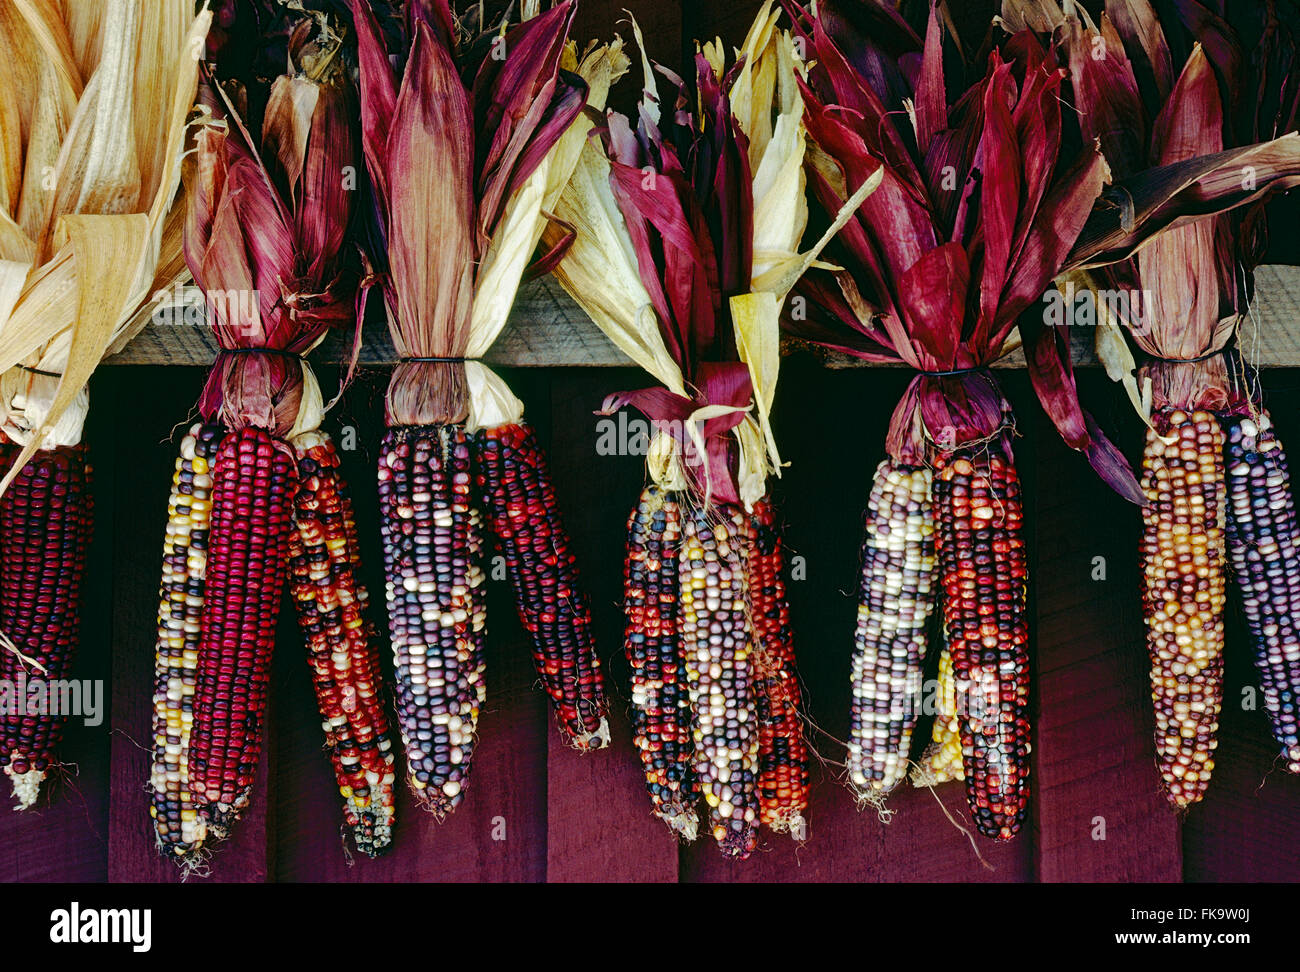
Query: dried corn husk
(95, 84)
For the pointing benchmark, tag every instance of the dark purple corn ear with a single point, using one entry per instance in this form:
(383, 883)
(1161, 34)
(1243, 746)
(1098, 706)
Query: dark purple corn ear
(437, 617)
(1264, 550)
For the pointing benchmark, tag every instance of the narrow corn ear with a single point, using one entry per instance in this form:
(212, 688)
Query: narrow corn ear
(783, 777)
(519, 500)
(1264, 549)
(896, 595)
(45, 527)
(433, 552)
(941, 762)
(983, 568)
(1183, 585)
(179, 828)
(342, 647)
(661, 705)
(246, 571)
(717, 640)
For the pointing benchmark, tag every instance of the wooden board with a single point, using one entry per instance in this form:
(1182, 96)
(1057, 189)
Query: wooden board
(547, 329)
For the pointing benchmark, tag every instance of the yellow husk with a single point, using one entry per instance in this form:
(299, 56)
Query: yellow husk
(104, 129)
(1112, 350)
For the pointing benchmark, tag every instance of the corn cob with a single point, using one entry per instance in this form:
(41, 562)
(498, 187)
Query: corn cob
(247, 566)
(324, 566)
(519, 501)
(941, 761)
(661, 713)
(782, 751)
(178, 826)
(982, 564)
(45, 526)
(1264, 549)
(895, 598)
(1183, 588)
(433, 547)
(717, 639)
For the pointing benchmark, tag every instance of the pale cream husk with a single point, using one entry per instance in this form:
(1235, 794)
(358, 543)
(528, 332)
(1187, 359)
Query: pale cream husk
(523, 225)
(102, 89)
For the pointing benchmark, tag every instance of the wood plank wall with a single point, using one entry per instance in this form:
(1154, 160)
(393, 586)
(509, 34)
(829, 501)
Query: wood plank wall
(566, 817)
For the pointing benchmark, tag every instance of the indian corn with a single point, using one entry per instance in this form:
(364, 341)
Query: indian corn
(983, 571)
(782, 750)
(661, 705)
(45, 526)
(1264, 549)
(252, 501)
(895, 598)
(717, 642)
(324, 568)
(941, 761)
(179, 827)
(1183, 589)
(519, 500)
(433, 545)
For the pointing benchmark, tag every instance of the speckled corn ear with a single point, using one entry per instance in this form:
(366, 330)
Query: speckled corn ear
(661, 704)
(246, 571)
(433, 552)
(896, 596)
(519, 501)
(717, 642)
(342, 646)
(782, 750)
(941, 761)
(1264, 550)
(1183, 588)
(45, 527)
(983, 569)
(179, 828)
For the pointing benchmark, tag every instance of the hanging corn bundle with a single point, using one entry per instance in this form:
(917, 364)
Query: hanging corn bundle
(258, 502)
(92, 122)
(686, 233)
(1214, 475)
(938, 269)
(480, 130)
(983, 203)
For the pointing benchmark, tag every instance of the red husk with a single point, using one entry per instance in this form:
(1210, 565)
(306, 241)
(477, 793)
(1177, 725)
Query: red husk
(691, 225)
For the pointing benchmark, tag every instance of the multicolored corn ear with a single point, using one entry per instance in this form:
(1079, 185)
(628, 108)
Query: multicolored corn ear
(45, 527)
(247, 566)
(437, 612)
(1264, 551)
(983, 569)
(342, 645)
(1184, 591)
(179, 828)
(896, 596)
(519, 500)
(661, 704)
(783, 776)
(941, 761)
(717, 642)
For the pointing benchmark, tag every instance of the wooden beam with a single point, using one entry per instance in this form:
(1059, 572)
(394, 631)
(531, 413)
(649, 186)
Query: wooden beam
(547, 329)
